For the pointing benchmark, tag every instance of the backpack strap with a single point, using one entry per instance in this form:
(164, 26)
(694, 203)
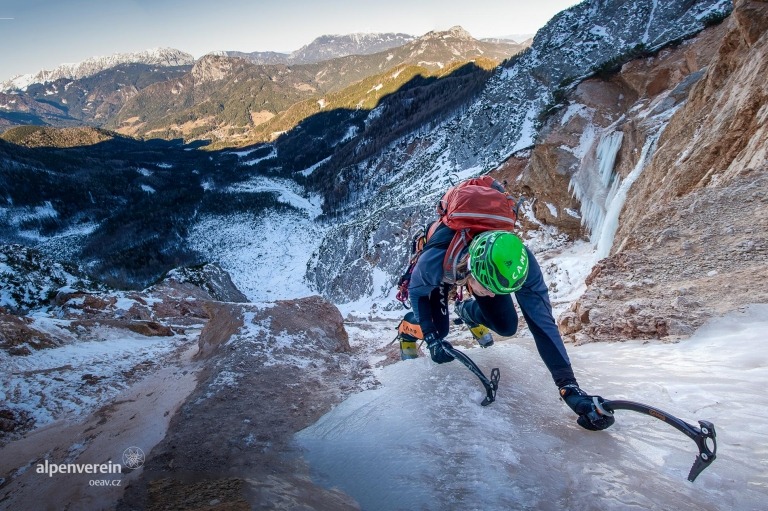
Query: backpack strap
(456, 251)
(455, 248)
(420, 242)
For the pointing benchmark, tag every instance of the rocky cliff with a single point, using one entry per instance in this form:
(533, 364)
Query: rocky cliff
(682, 136)
(659, 162)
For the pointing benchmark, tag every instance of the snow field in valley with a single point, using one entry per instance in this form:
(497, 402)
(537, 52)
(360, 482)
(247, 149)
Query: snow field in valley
(266, 254)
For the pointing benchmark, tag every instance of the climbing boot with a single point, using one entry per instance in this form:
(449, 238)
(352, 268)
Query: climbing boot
(481, 333)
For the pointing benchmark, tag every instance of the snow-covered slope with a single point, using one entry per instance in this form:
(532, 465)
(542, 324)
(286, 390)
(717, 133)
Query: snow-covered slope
(28, 279)
(266, 254)
(93, 65)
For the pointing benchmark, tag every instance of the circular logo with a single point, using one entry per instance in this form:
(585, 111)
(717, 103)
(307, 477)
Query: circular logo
(133, 458)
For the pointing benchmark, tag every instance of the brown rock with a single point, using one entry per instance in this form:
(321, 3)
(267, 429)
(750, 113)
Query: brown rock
(149, 328)
(695, 223)
(568, 323)
(751, 19)
(94, 303)
(226, 320)
(16, 334)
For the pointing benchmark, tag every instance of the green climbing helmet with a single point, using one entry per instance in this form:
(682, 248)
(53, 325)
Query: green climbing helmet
(499, 261)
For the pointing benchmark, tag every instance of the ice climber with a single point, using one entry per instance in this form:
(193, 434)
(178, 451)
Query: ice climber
(497, 264)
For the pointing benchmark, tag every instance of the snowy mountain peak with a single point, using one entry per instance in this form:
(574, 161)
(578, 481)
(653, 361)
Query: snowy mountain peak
(91, 66)
(332, 46)
(455, 32)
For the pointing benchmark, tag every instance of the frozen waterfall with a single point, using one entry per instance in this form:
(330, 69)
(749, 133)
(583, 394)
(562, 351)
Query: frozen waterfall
(602, 192)
(616, 198)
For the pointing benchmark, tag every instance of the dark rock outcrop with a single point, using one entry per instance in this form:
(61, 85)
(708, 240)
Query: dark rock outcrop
(270, 370)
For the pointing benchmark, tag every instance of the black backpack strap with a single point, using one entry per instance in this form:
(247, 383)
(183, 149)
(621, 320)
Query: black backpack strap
(438, 235)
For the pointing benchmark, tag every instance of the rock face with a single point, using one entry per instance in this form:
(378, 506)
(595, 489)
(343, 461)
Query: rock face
(346, 275)
(691, 239)
(18, 337)
(620, 106)
(211, 68)
(270, 370)
(208, 282)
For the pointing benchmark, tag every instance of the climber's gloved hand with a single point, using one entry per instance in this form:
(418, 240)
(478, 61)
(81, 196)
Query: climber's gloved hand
(583, 404)
(436, 347)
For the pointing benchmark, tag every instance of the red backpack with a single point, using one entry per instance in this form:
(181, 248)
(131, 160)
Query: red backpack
(469, 208)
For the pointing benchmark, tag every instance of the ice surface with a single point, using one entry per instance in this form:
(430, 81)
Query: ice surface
(422, 441)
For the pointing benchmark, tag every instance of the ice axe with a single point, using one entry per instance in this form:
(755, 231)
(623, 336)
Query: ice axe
(491, 384)
(704, 436)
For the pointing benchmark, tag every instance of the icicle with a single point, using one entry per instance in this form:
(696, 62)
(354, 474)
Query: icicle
(616, 200)
(607, 150)
(591, 185)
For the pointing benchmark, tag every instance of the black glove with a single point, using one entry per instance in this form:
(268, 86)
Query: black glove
(584, 406)
(437, 349)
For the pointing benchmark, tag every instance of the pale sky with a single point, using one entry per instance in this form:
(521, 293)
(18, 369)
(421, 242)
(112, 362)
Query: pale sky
(42, 34)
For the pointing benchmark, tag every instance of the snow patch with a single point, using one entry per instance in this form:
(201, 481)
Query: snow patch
(266, 255)
(309, 170)
(572, 111)
(288, 192)
(52, 384)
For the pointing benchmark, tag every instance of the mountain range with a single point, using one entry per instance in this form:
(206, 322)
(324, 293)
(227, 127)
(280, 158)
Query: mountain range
(374, 137)
(322, 48)
(160, 57)
(235, 99)
(328, 47)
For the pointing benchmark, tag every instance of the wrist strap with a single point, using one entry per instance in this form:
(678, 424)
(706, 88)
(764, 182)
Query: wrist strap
(571, 388)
